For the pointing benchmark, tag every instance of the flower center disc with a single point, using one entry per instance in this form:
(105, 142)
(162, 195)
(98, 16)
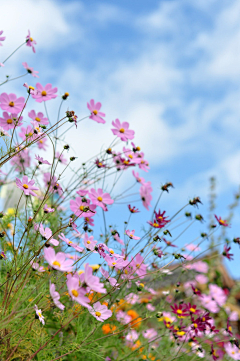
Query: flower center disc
(11, 104)
(121, 130)
(38, 119)
(75, 293)
(44, 93)
(9, 121)
(95, 112)
(25, 186)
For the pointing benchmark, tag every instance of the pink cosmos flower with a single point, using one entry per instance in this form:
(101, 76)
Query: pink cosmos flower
(89, 220)
(138, 178)
(150, 307)
(37, 267)
(3, 132)
(232, 351)
(122, 130)
(45, 93)
(26, 186)
(31, 70)
(209, 303)
(138, 264)
(11, 103)
(9, 121)
(56, 297)
(30, 41)
(76, 292)
(201, 279)
(111, 280)
(57, 261)
(99, 198)
(132, 336)
(70, 243)
(192, 247)
(47, 209)
(49, 180)
(198, 266)
(95, 113)
(100, 312)
(123, 317)
(150, 334)
(42, 143)
(21, 160)
(221, 222)
(27, 133)
(82, 192)
(92, 282)
(217, 294)
(61, 158)
(38, 117)
(41, 160)
(133, 157)
(89, 242)
(145, 193)
(143, 164)
(117, 238)
(82, 209)
(118, 263)
(131, 234)
(39, 314)
(132, 298)
(2, 38)
(46, 234)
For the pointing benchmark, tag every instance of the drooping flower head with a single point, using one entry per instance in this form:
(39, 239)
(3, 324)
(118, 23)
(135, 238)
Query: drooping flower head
(226, 253)
(95, 113)
(41, 160)
(221, 222)
(39, 314)
(30, 41)
(131, 235)
(30, 70)
(133, 209)
(122, 130)
(56, 297)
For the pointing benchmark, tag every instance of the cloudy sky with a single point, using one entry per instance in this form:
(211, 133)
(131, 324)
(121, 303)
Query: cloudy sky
(169, 68)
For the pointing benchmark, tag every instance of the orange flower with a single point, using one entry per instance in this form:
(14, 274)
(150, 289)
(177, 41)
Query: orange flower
(133, 314)
(136, 345)
(105, 303)
(144, 300)
(108, 328)
(136, 323)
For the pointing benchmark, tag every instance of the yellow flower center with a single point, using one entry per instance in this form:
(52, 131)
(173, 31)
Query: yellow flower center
(131, 235)
(38, 119)
(44, 93)
(30, 134)
(98, 314)
(69, 242)
(88, 242)
(221, 221)
(203, 319)
(66, 94)
(229, 328)
(31, 39)
(195, 325)
(142, 161)
(9, 121)
(111, 251)
(180, 333)
(56, 263)
(81, 208)
(31, 87)
(126, 271)
(138, 148)
(114, 263)
(39, 314)
(121, 130)
(41, 141)
(11, 104)
(99, 199)
(130, 156)
(155, 224)
(95, 112)
(25, 186)
(192, 310)
(179, 312)
(75, 293)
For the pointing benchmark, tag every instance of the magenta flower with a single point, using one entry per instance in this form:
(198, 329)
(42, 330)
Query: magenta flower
(82, 209)
(11, 103)
(89, 242)
(160, 220)
(76, 292)
(30, 41)
(133, 209)
(9, 121)
(122, 130)
(226, 253)
(2, 38)
(91, 281)
(37, 267)
(95, 113)
(140, 267)
(55, 296)
(57, 261)
(70, 243)
(41, 160)
(39, 314)
(38, 117)
(100, 312)
(221, 222)
(26, 186)
(131, 234)
(31, 70)
(99, 198)
(47, 209)
(45, 93)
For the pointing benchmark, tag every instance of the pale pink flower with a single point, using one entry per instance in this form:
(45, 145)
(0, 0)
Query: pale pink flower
(56, 297)
(38, 117)
(30, 41)
(150, 334)
(82, 209)
(99, 198)
(218, 294)
(61, 158)
(41, 160)
(145, 193)
(42, 143)
(209, 303)
(76, 292)
(232, 351)
(200, 266)
(138, 178)
(39, 314)
(118, 263)
(26, 186)
(30, 70)
(92, 282)
(100, 312)
(21, 160)
(150, 307)
(58, 260)
(192, 247)
(9, 121)
(123, 317)
(130, 234)
(70, 243)
(138, 264)
(11, 103)
(47, 234)
(201, 279)
(37, 267)
(89, 242)
(122, 130)
(117, 238)
(95, 113)
(111, 280)
(45, 93)
(2, 38)
(132, 298)
(132, 336)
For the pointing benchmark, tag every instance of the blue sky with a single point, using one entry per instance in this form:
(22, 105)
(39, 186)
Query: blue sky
(169, 68)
